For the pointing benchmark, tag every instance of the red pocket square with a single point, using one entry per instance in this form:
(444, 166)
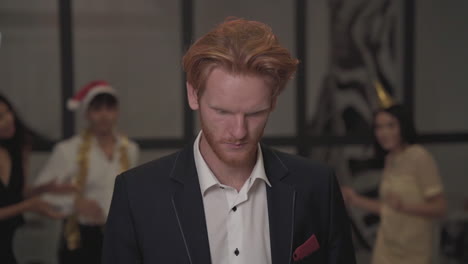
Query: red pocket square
(304, 250)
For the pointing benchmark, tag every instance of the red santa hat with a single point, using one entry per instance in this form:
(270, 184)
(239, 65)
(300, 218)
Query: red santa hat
(84, 96)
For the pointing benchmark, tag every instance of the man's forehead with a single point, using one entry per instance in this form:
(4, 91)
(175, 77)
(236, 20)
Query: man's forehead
(222, 74)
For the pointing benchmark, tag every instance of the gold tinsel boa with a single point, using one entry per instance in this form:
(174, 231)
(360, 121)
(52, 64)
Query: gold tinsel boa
(71, 230)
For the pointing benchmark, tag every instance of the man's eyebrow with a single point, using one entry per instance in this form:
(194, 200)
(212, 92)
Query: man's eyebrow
(257, 111)
(254, 111)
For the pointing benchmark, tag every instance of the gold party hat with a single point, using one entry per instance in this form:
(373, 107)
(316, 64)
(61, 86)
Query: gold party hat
(385, 100)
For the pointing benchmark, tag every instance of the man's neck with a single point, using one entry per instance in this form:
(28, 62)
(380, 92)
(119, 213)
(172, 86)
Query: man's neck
(233, 176)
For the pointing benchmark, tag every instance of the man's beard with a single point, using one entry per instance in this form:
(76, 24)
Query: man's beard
(245, 158)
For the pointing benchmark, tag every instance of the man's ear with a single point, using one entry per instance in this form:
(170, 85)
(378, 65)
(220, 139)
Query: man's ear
(192, 96)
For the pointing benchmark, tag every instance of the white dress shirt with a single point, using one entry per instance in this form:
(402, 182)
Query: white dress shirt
(237, 222)
(63, 166)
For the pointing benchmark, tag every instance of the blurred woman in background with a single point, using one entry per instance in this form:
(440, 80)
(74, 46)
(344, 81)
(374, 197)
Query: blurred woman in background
(15, 196)
(411, 192)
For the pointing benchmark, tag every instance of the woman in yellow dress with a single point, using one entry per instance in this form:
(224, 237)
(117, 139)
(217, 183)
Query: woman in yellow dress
(411, 193)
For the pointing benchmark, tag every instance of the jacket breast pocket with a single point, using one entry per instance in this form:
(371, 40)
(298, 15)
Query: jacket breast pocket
(308, 251)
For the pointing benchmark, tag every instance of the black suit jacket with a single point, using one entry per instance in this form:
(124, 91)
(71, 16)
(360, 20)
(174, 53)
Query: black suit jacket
(157, 214)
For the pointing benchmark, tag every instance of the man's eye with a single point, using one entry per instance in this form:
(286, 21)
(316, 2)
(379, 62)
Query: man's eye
(221, 112)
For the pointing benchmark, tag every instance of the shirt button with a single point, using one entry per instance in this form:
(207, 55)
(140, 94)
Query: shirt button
(236, 252)
(234, 208)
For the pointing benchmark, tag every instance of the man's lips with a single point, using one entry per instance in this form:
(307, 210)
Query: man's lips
(236, 144)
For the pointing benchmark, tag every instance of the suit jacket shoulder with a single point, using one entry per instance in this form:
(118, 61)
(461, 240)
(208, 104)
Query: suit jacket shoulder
(302, 173)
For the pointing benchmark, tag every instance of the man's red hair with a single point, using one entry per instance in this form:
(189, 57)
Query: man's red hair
(240, 46)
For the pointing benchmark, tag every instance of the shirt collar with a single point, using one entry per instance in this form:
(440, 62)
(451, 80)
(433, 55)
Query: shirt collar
(206, 177)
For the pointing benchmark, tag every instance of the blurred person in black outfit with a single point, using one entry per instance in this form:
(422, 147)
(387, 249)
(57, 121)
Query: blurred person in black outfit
(16, 197)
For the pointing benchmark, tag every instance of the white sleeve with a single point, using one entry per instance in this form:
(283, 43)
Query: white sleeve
(58, 167)
(134, 153)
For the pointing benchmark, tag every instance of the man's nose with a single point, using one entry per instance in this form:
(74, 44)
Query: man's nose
(239, 127)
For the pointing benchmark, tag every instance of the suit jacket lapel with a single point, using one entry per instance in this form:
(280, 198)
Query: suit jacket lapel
(281, 199)
(188, 206)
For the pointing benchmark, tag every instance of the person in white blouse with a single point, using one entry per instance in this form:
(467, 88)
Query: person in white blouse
(227, 198)
(90, 160)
